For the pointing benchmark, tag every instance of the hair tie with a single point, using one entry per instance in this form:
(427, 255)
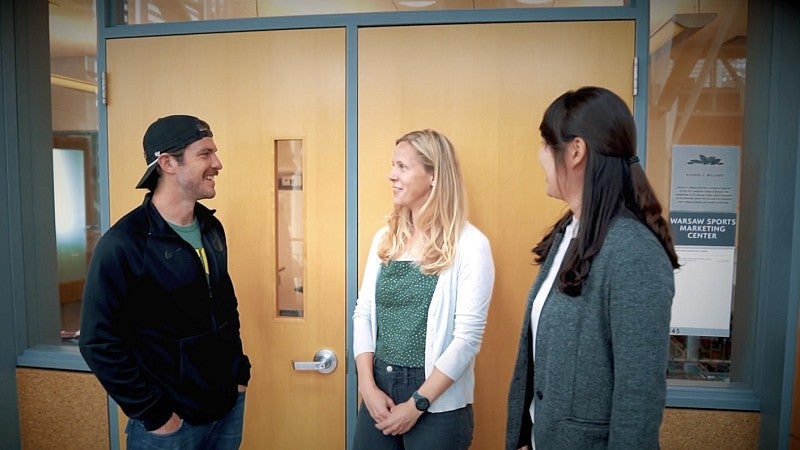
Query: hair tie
(633, 160)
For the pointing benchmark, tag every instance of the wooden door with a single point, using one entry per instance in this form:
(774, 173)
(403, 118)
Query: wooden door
(275, 101)
(485, 87)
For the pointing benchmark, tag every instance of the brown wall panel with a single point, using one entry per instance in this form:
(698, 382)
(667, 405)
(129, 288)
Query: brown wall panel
(61, 409)
(700, 428)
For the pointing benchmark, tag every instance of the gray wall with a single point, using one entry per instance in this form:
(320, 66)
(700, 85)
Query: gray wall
(9, 422)
(27, 231)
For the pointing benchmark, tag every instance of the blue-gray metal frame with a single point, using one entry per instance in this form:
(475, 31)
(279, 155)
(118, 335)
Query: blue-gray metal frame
(9, 416)
(351, 221)
(642, 74)
(772, 136)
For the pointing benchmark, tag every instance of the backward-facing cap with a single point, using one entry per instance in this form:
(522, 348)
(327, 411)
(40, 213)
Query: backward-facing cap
(169, 135)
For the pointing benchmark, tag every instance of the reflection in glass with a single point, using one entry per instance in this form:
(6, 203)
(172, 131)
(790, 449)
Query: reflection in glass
(290, 211)
(73, 78)
(76, 220)
(158, 11)
(70, 203)
(696, 97)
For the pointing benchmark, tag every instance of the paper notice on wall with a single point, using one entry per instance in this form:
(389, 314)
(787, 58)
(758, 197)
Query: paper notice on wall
(703, 291)
(703, 216)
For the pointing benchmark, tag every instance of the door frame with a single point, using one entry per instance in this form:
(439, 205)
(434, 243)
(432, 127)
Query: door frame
(637, 11)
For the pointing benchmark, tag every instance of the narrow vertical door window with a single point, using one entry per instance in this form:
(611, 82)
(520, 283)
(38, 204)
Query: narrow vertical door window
(290, 225)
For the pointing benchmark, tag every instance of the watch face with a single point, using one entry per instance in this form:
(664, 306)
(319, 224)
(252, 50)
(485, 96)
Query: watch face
(421, 402)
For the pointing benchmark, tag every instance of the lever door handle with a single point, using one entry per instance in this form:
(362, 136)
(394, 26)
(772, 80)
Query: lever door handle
(324, 362)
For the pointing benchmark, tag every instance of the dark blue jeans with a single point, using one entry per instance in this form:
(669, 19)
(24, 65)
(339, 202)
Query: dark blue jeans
(224, 434)
(451, 430)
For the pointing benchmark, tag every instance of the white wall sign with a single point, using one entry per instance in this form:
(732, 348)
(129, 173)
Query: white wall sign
(703, 208)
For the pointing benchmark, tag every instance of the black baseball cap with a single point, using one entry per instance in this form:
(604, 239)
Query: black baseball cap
(169, 135)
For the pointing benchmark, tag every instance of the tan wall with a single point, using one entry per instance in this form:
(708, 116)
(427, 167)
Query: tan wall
(700, 428)
(67, 410)
(61, 410)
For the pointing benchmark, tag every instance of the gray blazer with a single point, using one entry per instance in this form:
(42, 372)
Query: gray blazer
(601, 358)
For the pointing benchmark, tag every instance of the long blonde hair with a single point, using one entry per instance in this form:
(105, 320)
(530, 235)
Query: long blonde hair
(442, 216)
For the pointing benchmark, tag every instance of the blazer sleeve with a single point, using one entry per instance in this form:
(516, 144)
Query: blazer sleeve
(639, 305)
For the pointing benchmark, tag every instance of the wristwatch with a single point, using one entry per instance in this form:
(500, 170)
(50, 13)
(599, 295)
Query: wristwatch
(422, 403)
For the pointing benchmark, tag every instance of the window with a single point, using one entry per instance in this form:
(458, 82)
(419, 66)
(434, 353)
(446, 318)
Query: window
(153, 11)
(290, 232)
(73, 81)
(696, 115)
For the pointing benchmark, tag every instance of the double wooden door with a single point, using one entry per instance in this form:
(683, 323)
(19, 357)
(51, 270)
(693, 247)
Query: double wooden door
(276, 103)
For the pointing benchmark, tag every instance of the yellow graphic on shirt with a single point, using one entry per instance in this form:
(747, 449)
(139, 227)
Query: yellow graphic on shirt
(201, 252)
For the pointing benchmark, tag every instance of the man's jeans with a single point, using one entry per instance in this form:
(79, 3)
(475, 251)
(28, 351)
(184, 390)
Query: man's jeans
(224, 434)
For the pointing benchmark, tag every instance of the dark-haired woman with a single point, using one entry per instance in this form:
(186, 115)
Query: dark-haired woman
(592, 360)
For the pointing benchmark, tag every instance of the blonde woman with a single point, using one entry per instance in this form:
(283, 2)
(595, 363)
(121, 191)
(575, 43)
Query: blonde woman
(422, 307)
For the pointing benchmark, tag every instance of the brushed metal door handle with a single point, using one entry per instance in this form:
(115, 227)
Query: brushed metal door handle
(324, 362)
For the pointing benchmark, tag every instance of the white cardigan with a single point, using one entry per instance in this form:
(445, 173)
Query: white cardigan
(456, 316)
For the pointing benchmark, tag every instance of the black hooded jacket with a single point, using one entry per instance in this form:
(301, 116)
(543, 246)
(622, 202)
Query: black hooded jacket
(159, 335)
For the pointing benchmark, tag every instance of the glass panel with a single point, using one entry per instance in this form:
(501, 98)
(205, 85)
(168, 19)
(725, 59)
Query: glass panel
(77, 220)
(290, 211)
(73, 80)
(158, 11)
(69, 198)
(694, 145)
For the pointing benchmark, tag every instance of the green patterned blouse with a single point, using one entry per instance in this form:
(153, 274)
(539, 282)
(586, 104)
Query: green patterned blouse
(402, 297)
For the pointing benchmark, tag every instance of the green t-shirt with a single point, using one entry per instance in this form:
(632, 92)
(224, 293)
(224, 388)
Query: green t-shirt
(191, 234)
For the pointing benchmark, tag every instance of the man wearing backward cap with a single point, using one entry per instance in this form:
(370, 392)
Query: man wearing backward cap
(159, 324)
